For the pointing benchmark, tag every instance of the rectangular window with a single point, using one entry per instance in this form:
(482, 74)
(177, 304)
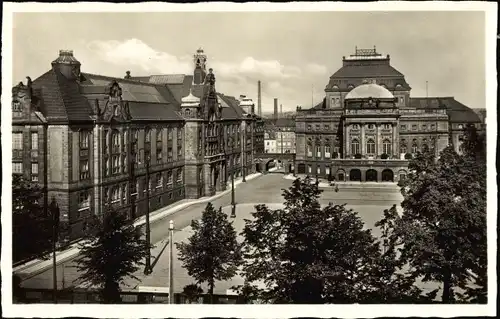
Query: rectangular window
(159, 152)
(424, 127)
(309, 169)
(115, 194)
(327, 127)
(327, 170)
(17, 168)
(169, 133)
(159, 181)
(123, 192)
(84, 169)
(84, 200)
(179, 133)
(116, 164)
(34, 172)
(403, 127)
(169, 178)
(318, 127)
(318, 151)
(179, 175)
(179, 151)
(318, 170)
(84, 139)
(414, 127)
(17, 141)
(309, 127)
(433, 127)
(327, 151)
(309, 151)
(169, 152)
(34, 140)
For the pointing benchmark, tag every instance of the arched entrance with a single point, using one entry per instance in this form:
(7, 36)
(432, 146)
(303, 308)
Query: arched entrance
(341, 175)
(258, 168)
(355, 175)
(301, 168)
(269, 164)
(387, 175)
(371, 175)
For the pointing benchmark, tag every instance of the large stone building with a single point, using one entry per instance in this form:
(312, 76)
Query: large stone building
(367, 126)
(97, 143)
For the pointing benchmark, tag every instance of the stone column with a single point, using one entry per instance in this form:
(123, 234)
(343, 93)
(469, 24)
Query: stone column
(362, 141)
(347, 142)
(395, 150)
(378, 142)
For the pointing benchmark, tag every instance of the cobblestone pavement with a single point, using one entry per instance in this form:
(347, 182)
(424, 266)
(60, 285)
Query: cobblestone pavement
(369, 201)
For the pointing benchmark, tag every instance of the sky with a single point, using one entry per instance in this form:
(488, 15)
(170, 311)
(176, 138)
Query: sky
(293, 54)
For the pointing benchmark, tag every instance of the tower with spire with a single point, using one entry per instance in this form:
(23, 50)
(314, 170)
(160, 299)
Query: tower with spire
(200, 70)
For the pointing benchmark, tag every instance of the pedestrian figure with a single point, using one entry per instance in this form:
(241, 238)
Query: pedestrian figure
(336, 188)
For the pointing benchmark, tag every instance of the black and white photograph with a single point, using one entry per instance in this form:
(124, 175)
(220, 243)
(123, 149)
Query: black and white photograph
(257, 160)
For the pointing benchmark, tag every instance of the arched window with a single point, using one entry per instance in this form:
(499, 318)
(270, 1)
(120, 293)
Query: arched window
(387, 146)
(115, 139)
(309, 149)
(370, 146)
(355, 147)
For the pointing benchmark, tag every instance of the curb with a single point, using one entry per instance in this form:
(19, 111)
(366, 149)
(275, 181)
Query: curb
(74, 250)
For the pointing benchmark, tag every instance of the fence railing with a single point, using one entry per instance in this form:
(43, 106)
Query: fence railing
(85, 296)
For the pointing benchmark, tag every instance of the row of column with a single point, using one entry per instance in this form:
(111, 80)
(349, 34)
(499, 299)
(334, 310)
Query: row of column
(362, 141)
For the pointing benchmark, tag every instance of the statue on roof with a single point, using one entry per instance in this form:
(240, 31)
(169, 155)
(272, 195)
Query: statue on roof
(210, 78)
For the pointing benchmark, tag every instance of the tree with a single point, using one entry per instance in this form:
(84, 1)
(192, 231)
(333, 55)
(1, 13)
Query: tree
(307, 254)
(31, 225)
(192, 292)
(114, 252)
(212, 252)
(441, 234)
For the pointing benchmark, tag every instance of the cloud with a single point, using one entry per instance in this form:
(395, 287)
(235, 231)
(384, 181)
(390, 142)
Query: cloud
(135, 53)
(316, 69)
(286, 82)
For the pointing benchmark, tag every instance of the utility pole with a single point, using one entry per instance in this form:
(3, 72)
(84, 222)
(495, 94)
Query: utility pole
(233, 203)
(147, 268)
(171, 264)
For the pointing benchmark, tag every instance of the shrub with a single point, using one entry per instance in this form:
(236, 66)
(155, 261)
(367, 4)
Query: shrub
(384, 156)
(408, 156)
(357, 156)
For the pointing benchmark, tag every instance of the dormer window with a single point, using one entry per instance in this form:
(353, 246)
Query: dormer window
(188, 112)
(335, 87)
(350, 86)
(398, 86)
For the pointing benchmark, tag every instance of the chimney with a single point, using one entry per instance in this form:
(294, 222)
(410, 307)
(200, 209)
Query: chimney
(259, 106)
(281, 110)
(275, 108)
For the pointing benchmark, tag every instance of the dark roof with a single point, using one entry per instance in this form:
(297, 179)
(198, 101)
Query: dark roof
(320, 105)
(234, 111)
(61, 98)
(153, 111)
(364, 70)
(285, 122)
(457, 111)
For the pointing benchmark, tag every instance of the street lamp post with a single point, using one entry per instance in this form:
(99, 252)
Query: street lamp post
(171, 264)
(54, 211)
(147, 268)
(233, 203)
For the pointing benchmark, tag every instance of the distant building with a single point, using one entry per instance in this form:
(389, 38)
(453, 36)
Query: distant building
(368, 125)
(280, 136)
(88, 139)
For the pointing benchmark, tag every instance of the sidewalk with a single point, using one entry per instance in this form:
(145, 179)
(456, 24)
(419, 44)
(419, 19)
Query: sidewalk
(322, 184)
(40, 265)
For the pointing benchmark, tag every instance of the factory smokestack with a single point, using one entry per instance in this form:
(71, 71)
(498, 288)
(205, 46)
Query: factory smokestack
(275, 108)
(259, 105)
(281, 110)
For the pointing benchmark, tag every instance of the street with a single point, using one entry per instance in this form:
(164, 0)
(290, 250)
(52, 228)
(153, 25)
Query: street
(368, 201)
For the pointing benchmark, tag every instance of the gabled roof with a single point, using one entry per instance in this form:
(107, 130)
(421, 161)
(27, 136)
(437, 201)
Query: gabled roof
(61, 98)
(456, 111)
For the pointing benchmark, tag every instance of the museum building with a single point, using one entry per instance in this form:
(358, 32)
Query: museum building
(368, 126)
(98, 144)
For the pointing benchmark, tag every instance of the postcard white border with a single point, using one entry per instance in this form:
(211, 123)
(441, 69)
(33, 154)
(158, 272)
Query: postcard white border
(250, 311)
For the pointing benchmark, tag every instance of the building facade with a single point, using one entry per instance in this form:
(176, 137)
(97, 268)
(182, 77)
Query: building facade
(280, 136)
(100, 144)
(367, 126)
